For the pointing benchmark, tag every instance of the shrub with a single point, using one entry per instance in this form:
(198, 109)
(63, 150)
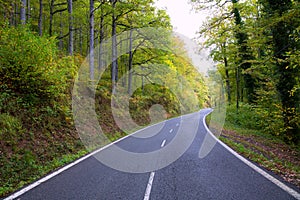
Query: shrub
(246, 116)
(10, 128)
(30, 66)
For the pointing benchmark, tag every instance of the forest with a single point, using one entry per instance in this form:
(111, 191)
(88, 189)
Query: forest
(44, 43)
(256, 47)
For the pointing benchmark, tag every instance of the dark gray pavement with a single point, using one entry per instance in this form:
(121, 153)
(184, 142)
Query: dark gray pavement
(219, 176)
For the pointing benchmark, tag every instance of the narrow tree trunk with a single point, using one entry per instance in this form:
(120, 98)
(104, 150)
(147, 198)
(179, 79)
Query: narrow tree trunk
(70, 12)
(228, 89)
(227, 81)
(12, 16)
(130, 63)
(114, 70)
(91, 53)
(40, 22)
(237, 74)
(75, 43)
(28, 10)
(16, 13)
(101, 37)
(51, 17)
(23, 12)
(61, 33)
(244, 53)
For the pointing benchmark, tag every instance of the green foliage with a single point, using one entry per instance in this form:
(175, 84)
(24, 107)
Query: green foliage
(30, 67)
(151, 94)
(26, 162)
(35, 113)
(256, 47)
(10, 129)
(245, 117)
(266, 119)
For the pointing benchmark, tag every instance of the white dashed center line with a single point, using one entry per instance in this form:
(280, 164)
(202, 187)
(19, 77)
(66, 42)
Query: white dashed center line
(149, 186)
(150, 181)
(163, 143)
(171, 130)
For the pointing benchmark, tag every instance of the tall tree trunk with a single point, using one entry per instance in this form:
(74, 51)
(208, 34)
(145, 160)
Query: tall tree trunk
(75, 43)
(51, 17)
(237, 79)
(70, 12)
(130, 63)
(114, 69)
(28, 10)
(101, 35)
(228, 89)
(244, 52)
(12, 15)
(23, 12)
(40, 22)
(61, 45)
(16, 12)
(91, 53)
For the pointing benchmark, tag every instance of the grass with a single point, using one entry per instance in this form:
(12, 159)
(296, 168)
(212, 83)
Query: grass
(42, 170)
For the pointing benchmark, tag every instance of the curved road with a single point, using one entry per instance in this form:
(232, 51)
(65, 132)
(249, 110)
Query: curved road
(219, 175)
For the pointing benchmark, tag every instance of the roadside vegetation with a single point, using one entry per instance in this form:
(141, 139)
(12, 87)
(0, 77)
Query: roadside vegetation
(36, 133)
(255, 45)
(243, 132)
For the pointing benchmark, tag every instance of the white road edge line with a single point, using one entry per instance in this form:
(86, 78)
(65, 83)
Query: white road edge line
(163, 143)
(149, 186)
(286, 188)
(171, 130)
(44, 179)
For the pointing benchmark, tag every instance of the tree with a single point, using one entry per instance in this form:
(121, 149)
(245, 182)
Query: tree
(114, 68)
(229, 15)
(40, 21)
(287, 76)
(91, 54)
(23, 12)
(28, 10)
(244, 55)
(71, 37)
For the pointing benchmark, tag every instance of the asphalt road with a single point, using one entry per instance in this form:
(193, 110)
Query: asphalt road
(219, 175)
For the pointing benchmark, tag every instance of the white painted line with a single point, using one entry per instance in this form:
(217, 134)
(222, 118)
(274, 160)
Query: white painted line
(171, 130)
(163, 143)
(151, 178)
(149, 186)
(38, 182)
(286, 188)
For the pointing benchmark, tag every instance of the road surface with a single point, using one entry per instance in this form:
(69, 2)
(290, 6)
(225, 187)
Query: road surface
(219, 175)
